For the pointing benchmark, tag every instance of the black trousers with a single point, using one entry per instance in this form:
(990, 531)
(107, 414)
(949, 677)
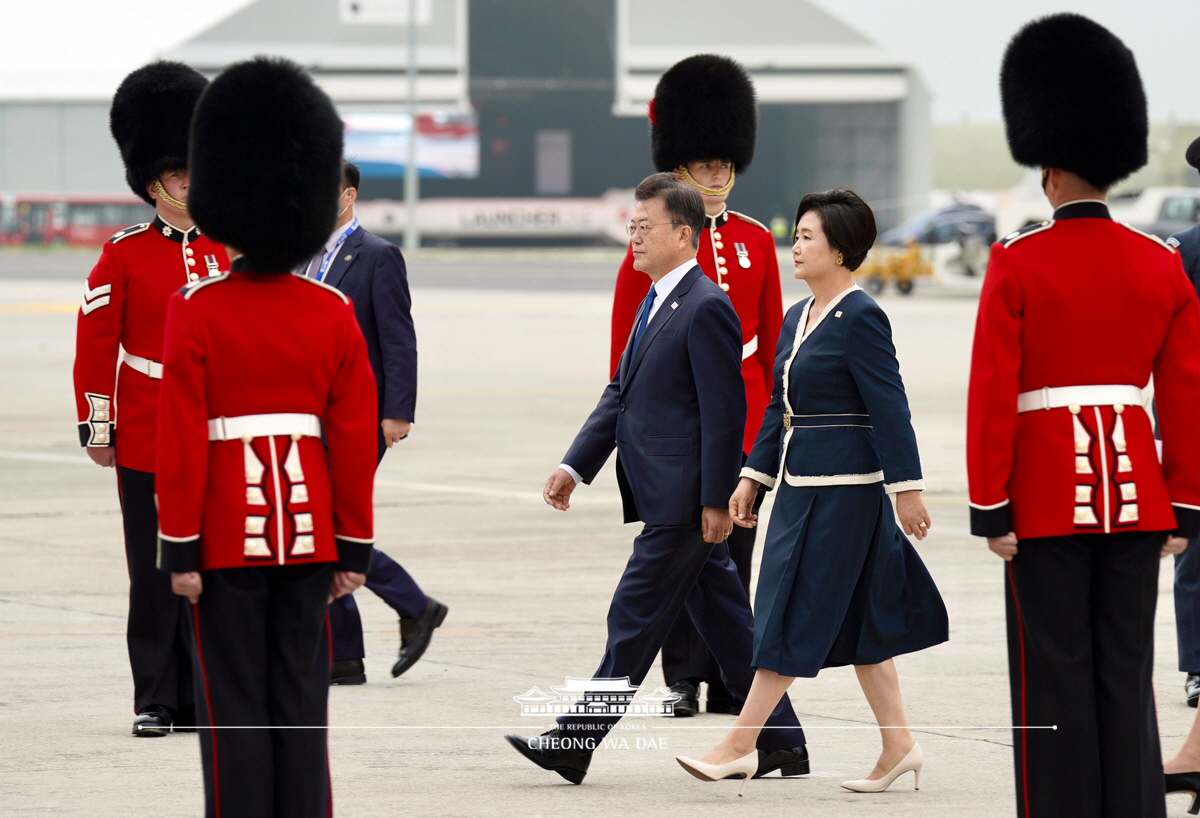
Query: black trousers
(389, 581)
(156, 633)
(1080, 616)
(684, 654)
(672, 568)
(262, 660)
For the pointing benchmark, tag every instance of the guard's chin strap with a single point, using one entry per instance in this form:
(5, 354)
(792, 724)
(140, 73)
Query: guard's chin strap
(687, 179)
(167, 197)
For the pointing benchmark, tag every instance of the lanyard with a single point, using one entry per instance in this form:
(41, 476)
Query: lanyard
(350, 228)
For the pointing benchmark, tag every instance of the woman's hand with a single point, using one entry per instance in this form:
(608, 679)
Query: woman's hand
(914, 519)
(741, 503)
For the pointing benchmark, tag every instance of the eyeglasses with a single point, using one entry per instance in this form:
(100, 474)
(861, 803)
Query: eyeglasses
(643, 228)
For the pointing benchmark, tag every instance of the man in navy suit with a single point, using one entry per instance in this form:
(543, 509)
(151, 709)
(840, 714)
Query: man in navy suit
(371, 271)
(674, 412)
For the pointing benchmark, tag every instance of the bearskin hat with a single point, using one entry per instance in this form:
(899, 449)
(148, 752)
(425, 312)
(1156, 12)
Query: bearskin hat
(1073, 99)
(266, 163)
(149, 119)
(1193, 154)
(703, 108)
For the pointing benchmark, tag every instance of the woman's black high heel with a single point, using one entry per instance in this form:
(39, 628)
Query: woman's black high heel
(1185, 782)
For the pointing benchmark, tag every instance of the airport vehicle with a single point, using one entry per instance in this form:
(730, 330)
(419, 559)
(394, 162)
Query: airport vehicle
(67, 219)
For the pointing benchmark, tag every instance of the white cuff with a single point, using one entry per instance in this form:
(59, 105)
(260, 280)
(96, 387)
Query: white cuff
(906, 485)
(765, 479)
(574, 474)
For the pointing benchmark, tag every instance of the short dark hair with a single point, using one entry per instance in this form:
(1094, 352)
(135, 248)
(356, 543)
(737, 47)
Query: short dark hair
(350, 175)
(683, 205)
(847, 221)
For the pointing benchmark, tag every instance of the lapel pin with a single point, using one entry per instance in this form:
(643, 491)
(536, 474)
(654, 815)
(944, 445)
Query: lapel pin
(674, 304)
(348, 257)
(837, 314)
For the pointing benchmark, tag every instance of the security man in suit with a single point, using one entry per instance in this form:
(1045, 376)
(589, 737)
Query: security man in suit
(1187, 564)
(118, 367)
(371, 271)
(703, 124)
(673, 412)
(265, 442)
(1076, 315)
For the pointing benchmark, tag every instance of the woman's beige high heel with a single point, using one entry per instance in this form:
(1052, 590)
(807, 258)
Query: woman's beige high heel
(746, 766)
(914, 761)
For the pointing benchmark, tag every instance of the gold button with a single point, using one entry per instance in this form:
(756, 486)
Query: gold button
(720, 245)
(721, 260)
(296, 435)
(101, 438)
(193, 276)
(722, 270)
(247, 438)
(716, 236)
(187, 250)
(1119, 408)
(724, 286)
(1074, 408)
(191, 262)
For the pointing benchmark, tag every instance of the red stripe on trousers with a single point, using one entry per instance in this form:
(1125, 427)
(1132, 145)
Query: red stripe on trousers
(208, 705)
(1012, 582)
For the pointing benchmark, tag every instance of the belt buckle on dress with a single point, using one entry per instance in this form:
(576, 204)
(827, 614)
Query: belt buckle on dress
(787, 422)
(1046, 397)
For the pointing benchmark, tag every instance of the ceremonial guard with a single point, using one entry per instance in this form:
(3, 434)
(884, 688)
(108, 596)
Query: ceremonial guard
(1076, 314)
(118, 367)
(266, 442)
(703, 125)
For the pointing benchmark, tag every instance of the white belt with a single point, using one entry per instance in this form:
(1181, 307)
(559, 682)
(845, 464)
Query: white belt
(143, 365)
(279, 423)
(750, 347)
(1055, 397)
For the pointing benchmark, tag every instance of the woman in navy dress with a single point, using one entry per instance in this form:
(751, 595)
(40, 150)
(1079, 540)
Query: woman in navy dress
(840, 584)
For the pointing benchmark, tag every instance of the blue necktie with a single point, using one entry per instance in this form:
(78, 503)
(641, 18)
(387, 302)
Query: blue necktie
(643, 319)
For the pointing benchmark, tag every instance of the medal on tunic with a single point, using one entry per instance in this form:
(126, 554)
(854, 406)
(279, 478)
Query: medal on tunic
(743, 254)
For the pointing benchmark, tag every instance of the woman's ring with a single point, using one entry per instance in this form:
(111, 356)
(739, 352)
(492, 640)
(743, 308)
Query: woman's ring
(922, 524)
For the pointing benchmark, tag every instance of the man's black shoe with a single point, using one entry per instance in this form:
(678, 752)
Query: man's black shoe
(153, 721)
(788, 762)
(347, 672)
(558, 751)
(687, 702)
(415, 634)
(1192, 688)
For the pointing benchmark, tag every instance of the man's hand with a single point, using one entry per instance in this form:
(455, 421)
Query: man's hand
(105, 456)
(715, 524)
(741, 503)
(914, 519)
(345, 582)
(394, 430)
(1004, 547)
(1174, 545)
(557, 491)
(187, 584)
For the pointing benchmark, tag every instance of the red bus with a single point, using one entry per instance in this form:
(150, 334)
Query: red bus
(67, 219)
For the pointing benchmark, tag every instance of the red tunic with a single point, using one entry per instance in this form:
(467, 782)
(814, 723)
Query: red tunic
(1082, 300)
(753, 287)
(125, 306)
(259, 344)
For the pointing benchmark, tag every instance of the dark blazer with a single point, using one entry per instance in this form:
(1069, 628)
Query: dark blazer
(371, 271)
(675, 411)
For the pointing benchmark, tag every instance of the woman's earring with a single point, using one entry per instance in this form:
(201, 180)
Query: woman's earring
(839, 260)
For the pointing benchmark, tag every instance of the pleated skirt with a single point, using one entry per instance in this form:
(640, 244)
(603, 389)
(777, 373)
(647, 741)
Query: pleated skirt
(840, 584)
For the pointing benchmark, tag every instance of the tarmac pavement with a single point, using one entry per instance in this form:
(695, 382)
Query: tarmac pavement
(508, 373)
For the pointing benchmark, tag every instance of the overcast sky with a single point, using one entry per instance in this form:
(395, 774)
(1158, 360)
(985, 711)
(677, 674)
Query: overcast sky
(82, 48)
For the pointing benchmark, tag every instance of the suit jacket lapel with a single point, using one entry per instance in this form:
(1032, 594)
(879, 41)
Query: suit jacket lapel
(660, 319)
(344, 258)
